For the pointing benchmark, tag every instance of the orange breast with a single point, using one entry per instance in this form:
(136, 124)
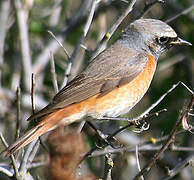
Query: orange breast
(122, 99)
(116, 102)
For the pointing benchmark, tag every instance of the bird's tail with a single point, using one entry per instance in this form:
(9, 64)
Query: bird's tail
(46, 124)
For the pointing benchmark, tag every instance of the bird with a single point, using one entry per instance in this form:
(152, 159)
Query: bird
(112, 83)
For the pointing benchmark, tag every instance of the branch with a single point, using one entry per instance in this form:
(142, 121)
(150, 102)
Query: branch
(102, 44)
(53, 73)
(4, 13)
(137, 160)
(18, 93)
(108, 167)
(77, 19)
(24, 41)
(171, 173)
(148, 6)
(184, 115)
(81, 40)
(184, 12)
(13, 160)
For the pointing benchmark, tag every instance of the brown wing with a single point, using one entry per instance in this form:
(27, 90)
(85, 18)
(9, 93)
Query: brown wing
(106, 72)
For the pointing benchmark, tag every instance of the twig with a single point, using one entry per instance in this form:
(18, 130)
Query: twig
(82, 38)
(24, 41)
(169, 140)
(135, 120)
(77, 19)
(137, 160)
(33, 153)
(171, 173)
(184, 12)
(163, 96)
(102, 44)
(106, 138)
(4, 13)
(123, 150)
(53, 73)
(180, 148)
(18, 92)
(142, 148)
(14, 163)
(33, 93)
(108, 167)
(37, 164)
(23, 165)
(31, 147)
(55, 13)
(81, 125)
(148, 6)
(43, 58)
(5, 171)
(60, 44)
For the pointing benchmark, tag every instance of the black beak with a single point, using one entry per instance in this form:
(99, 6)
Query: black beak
(180, 41)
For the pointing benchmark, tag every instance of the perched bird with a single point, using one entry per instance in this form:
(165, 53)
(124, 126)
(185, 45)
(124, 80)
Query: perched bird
(112, 84)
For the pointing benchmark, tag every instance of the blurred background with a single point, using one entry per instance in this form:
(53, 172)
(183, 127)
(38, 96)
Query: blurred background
(27, 47)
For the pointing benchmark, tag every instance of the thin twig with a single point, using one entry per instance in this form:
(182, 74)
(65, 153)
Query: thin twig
(23, 165)
(137, 160)
(33, 93)
(163, 96)
(77, 19)
(37, 164)
(14, 163)
(55, 13)
(184, 12)
(6, 171)
(81, 125)
(33, 153)
(4, 14)
(171, 173)
(32, 147)
(18, 93)
(102, 44)
(106, 138)
(142, 148)
(168, 142)
(53, 73)
(134, 122)
(81, 40)
(24, 41)
(148, 6)
(60, 44)
(108, 167)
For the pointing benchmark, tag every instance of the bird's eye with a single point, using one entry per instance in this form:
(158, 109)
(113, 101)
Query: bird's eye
(163, 39)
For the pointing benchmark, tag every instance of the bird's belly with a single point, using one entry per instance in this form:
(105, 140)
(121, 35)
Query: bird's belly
(122, 99)
(118, 102)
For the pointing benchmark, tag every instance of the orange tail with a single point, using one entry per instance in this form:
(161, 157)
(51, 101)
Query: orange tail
(48, 123)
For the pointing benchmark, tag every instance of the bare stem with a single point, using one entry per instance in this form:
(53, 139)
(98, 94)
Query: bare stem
(14, 163)
(53, 73)
(102, 44)
(18, 113)
(169, 140)
(24, 41)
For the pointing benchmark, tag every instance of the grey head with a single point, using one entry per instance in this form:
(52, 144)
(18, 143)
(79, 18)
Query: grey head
(151, 36)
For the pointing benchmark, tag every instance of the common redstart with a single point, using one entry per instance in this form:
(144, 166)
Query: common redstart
(112, 84)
